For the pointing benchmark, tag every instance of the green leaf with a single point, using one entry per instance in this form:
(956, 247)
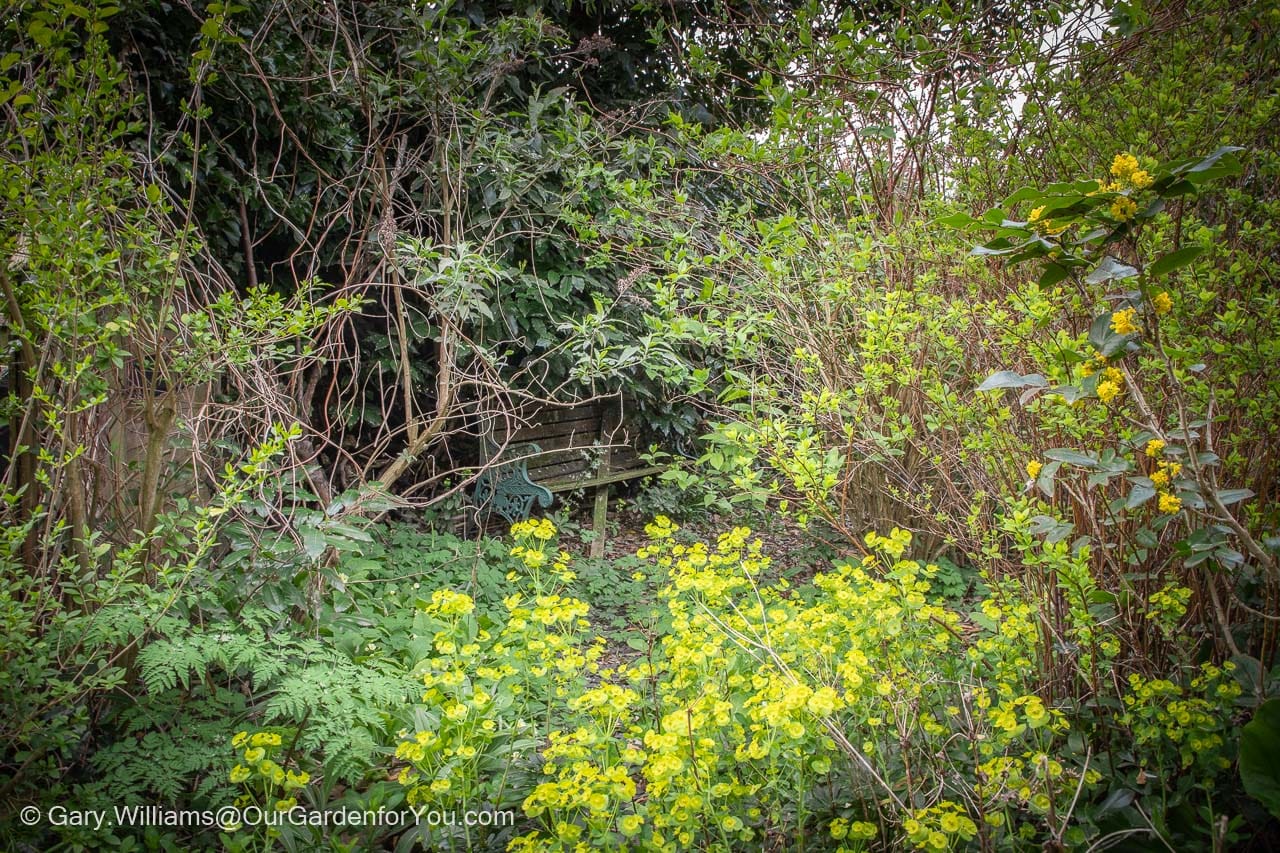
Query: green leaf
(1071, 457)
(1053, 273)
(1045, 481)
(1174, 260)
(1110, 269)
(1227, 497)
(1260, 756)
(1020, 195)
(1012, 379)
(1104, 339)
(1140, 494)
(956, 220)
(313, 542)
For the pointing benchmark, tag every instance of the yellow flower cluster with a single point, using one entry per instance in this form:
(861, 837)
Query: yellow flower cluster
(1108, 391)
(1127, 173)
(1164, 473)
(1034, 466)
(660, 528)
(1192, 721)
(446, 602)
(1124, 321)
(858, 830)
(1162, 303)
(1154, 447)
(257, 763)
(1167, 605)
(540, 529)
(1162, 478)
(1124, 208)
(1046, 226)
(1091, 367)
(532, 538)
(1110, 384)
(939, 827)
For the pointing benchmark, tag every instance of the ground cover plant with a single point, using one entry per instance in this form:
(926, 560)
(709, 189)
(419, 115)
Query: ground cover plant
(954, 327)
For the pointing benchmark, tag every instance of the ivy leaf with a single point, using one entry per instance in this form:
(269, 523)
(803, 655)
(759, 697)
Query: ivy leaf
(1012, 379)
(1174, 260)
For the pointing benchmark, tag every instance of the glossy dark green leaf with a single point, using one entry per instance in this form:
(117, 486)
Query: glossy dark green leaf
(1174, 260)
(1260, 756)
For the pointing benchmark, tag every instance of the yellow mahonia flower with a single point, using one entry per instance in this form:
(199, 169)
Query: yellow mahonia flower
(1162, 302)
(1124, 208)
(1170, 503)
(1124, 166)
(1141, 179)
(1033, 468)
(1160, 478)
(1155, 447)
(1048, 226)
(1124, 321)
(1108, 391)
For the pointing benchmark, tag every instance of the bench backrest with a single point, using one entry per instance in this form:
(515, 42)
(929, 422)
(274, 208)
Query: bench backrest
(574, 442)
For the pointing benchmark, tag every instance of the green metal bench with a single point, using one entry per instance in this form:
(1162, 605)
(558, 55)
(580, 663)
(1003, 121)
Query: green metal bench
(507, 490)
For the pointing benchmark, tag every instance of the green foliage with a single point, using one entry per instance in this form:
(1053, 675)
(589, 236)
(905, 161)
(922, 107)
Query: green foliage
(389, 224)
(1260, 756)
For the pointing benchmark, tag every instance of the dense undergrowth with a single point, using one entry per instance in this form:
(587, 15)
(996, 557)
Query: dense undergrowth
(972, 308)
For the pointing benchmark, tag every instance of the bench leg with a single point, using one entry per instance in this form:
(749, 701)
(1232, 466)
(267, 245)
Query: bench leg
(600, 520)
